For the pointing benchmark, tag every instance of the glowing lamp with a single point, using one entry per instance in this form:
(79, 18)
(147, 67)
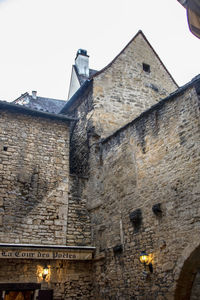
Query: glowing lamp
(45, 272)
(144, 258)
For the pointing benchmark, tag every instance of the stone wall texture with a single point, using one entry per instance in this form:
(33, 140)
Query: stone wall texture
(124, 90)
(79, 224)
(80, 133)
(126, 191)
(139, 186)
(153, 160)
(34, 179)
(69, 280)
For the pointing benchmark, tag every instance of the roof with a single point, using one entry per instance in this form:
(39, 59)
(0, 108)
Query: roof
(83, 78)
(183, 2)
(49, 105)
(16, 108)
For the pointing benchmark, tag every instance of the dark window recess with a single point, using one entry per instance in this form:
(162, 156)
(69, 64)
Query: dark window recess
(136, 219)
(118, 249)
(146, 68)
(5, 148)
(45, 295)
(156, 208)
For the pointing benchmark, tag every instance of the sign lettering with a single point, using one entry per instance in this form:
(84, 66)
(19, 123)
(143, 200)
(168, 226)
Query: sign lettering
(42, 254)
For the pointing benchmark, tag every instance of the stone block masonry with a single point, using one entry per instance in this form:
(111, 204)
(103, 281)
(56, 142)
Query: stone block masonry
(80, 131)
(124, 89)
(37, 207)
(152, 160)
(79, 225)
(131, 190)
(34, 179)
(69, 280)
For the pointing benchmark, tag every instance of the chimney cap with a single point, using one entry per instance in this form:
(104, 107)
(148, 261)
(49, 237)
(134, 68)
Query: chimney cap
(82, 52)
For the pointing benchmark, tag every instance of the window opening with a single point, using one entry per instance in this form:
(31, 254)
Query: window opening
(146, 68)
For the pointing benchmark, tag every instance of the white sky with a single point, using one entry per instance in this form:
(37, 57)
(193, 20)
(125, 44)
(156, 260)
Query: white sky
(39, 40)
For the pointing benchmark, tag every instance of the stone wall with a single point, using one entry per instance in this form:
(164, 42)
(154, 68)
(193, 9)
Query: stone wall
(69, 280)
(124, 90)
(115, 96)
(34, 178)
(80, 132)
(78, 226)
(154, 160)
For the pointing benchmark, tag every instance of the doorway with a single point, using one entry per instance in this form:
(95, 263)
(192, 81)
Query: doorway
(24, 291)
(19, 291)
(188, 284)
(19, 295)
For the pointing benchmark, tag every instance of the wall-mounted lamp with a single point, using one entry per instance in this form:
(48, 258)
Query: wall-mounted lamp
(146, 259)
(45, 272)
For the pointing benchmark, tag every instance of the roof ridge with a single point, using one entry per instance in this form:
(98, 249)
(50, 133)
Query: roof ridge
(135, 36)
(112, 61)
(50, 98)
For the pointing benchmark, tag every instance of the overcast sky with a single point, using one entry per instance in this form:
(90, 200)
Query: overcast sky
(39, 40)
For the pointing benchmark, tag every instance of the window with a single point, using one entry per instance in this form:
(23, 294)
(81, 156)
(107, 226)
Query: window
(146, 68)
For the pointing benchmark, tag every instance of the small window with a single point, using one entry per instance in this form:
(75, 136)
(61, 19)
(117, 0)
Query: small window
(5, 148)
(146, 68)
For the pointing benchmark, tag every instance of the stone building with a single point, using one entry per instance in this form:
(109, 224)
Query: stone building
(114, 174)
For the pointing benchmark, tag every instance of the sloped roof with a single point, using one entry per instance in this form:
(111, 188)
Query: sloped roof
(49, 105)
(16, 108)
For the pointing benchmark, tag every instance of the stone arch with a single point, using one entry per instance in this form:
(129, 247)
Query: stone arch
(189, 265)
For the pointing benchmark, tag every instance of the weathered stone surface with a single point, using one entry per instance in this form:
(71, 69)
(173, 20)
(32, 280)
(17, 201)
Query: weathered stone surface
(69, 280)
(152, 160)
(33, 181)
(79, 225)
(145, 163)
(124, 90)
(80, 134)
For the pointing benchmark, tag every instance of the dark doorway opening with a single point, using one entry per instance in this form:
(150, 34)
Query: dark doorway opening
(18, 291)
(19, 295)
(188, 284)
(24, 291)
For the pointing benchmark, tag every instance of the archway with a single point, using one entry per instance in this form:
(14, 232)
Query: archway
(187, 277)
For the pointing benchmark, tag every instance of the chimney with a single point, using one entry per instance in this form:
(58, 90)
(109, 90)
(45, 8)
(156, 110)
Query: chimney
(34, 95)
(82, 62)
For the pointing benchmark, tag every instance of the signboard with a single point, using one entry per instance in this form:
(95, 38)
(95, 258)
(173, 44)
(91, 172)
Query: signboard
(46, 254)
